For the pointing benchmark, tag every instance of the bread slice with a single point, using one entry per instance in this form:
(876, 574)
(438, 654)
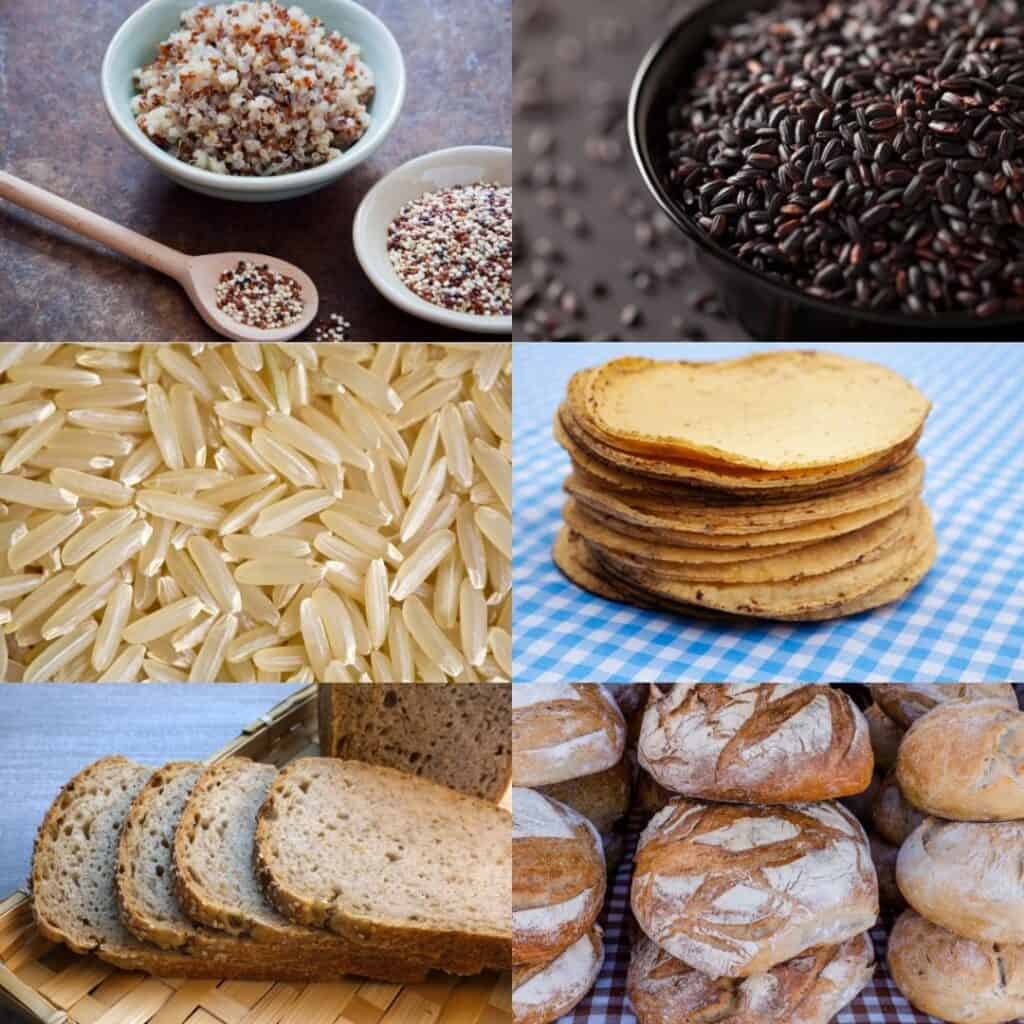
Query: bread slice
(146, 894)
(213, 863)
(378, 855)
(455, 735)
(73, 875)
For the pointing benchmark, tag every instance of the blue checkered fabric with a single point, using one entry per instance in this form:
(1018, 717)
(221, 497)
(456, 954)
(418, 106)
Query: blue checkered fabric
(963, 623)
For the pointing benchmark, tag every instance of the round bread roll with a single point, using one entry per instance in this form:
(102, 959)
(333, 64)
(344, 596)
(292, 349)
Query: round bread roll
(558, 877)
(963, 761)
(904, 703)
(601, 798)
(810, 989)
(884, 856)
(733, 890)
(893, 816)
(545, 992)
(885, 737)
(562, 731)
(765, 744)
(953, 978)
(966, 876)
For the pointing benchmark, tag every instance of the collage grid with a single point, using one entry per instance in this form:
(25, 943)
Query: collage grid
(962, 623)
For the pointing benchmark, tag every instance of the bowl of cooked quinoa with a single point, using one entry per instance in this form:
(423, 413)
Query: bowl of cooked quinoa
(435, 237)
(254, 100)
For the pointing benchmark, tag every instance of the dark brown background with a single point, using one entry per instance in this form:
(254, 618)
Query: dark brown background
(55, 132)
(594, 259)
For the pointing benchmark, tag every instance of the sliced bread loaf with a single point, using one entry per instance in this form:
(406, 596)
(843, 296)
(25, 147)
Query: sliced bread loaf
(378, 855)
(150, 909)
(213, 864)
(455, 735)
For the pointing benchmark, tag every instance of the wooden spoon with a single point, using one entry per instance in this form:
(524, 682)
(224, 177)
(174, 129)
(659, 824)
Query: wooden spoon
(198, 275)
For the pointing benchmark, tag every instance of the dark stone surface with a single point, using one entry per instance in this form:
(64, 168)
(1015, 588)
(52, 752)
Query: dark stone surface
(579, 196)
(55, 132)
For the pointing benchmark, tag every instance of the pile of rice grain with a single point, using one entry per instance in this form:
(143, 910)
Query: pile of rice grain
(255, 513)
(253, 89)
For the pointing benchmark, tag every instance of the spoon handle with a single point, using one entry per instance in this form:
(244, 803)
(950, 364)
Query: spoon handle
(84, 222)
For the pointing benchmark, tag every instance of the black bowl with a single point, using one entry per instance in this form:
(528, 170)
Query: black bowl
(766, 307)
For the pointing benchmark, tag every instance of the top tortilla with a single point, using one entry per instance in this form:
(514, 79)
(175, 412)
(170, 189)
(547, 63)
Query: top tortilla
(773, 411)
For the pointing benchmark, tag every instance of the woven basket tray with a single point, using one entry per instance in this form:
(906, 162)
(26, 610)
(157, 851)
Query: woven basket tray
(56, 986)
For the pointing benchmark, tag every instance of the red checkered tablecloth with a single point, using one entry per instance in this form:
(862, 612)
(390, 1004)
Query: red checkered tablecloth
(880, 1003)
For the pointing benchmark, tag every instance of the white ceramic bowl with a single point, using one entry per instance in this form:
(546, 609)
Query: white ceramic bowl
(136, 42)
(461, 165)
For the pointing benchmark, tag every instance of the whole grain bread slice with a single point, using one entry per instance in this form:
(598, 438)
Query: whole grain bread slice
(73, 868)
(215, 880)
(377, 855)
(455, 735)
(146, 894)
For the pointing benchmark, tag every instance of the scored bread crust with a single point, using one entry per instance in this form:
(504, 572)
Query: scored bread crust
(904, 703)
(558, 876)
(733, 889)
(241, 908)
(544, 992)
(809, 989)
(766, 744)
(417, 836)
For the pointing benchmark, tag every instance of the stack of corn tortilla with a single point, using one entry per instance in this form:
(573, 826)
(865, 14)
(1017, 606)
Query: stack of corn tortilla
(784, 485)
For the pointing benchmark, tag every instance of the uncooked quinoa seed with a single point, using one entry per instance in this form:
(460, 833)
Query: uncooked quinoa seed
(259, 297)
(453, 248)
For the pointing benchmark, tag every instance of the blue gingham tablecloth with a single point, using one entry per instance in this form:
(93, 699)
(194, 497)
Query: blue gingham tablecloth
(880, 1003)
(963, 623)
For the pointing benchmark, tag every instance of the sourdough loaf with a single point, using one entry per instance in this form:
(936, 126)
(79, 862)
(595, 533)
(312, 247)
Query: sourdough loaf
(456, 735)
(562, 731)
(967, 877)
(954, 978)
(733, 890)
(558, 877)
(756, 743)
(904, 703)
(965, 760)
(893, 816)
(885, 737)
(383, 857)
(216, 882)
(544, 992)
(602, 798)
(810, 989)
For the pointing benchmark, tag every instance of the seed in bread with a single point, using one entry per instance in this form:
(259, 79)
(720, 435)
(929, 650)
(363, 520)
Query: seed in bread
(966, 877)
(893, 816)
(543, 992)
(602, 798)
(953, 978)
(558, 877)
(810, 989)
(733, 890)
(904, 703)
(377, 855)
(756, 743)
(562, 731)
(963, 760)
(885, 737)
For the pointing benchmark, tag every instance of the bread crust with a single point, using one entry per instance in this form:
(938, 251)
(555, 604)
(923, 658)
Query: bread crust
(542, 993)
(563, 731)
(733, 890)
(885, 737)
(602, 798)
(558, 876)
(893, 816)
(954, 978)
(966, 877)
(904, 703)
(884, 856)
(809, 989)
(965, 761)
(762, 744)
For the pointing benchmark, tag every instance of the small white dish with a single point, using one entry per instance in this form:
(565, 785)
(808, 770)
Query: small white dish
(461, 165)
(135, 44)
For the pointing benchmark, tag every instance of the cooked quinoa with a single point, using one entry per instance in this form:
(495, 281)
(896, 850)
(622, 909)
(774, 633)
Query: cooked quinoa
(253, 89)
